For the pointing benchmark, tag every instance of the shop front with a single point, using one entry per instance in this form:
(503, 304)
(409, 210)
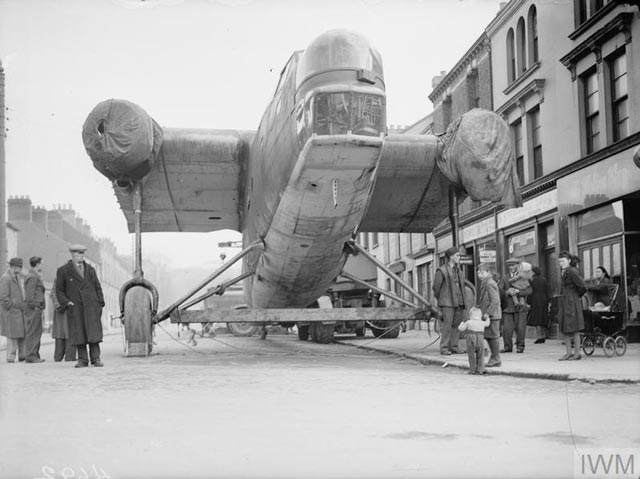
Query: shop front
(601, 204)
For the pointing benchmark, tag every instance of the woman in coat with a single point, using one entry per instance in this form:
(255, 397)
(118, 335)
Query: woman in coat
(60, 331)
(539, 300)
(570, 317)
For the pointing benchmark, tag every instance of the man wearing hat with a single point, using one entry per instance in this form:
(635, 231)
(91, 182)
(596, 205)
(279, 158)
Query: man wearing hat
(448, 288)
(513, 318)
(80, 294)
(12, 305)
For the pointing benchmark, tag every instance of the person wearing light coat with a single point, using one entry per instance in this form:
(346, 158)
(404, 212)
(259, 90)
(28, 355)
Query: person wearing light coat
(12, 306)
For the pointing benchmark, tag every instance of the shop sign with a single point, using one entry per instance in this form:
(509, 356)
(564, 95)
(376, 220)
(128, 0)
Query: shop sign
(487, 256)
(477, 230)
(599, 183)
(466, 259)
(538, 205)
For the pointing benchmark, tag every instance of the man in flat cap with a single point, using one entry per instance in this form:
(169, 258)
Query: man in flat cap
(12, 305)
(448, 288)
(512, 316)
(80, 294)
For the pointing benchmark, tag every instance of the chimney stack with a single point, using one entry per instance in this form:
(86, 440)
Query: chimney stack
(19, 208)
(39, 216)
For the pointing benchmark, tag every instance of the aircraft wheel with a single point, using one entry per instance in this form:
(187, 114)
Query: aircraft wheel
(322, 333)
(138, 330)
(303, 332)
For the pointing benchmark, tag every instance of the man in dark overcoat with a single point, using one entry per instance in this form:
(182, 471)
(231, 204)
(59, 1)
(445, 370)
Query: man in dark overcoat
(513, 319)
(13, 306)
(448, 288)
(79, 292)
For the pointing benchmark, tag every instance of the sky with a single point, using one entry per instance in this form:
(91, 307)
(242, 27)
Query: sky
(189, 63)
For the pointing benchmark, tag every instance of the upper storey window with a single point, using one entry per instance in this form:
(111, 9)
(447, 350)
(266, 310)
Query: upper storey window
(532, 22)
(511, 56)
(522, 46)
(619, 96)
(586, 9)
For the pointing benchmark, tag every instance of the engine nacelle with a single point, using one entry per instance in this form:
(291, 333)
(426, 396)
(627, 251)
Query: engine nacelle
(122, 140)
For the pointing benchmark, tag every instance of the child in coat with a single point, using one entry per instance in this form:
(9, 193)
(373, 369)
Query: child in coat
(475, 339)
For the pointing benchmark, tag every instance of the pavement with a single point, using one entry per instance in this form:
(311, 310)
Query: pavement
(539, 361)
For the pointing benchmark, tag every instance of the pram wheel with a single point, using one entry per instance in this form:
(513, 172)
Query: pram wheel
(621, 345)
(609, 347)
(588, 345)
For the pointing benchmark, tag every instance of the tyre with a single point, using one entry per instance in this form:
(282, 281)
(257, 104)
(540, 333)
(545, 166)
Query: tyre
(303, 332)
(609, 347)
(385, 329)
(242, 329)
(137, 320)
(588, 345)
(322, 333)
(621, 345)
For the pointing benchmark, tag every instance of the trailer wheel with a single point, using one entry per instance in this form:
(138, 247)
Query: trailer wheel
(360, 332)
(303, 332)
(322, 333)
(242, 329)
(385, 329)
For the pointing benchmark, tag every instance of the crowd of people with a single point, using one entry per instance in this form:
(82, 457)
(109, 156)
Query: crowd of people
(506, 306)
(77, 299)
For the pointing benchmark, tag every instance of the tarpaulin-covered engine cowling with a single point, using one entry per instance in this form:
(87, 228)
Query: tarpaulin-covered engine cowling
(121, 139)
(477, 157)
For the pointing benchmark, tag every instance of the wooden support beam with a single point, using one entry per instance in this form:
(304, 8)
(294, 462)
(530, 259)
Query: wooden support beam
(295, 315)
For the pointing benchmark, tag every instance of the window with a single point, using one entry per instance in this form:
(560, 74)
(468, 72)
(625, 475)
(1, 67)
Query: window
(473, 86)
(397, 250)
(533, 34)
(446, 111)
(592, 111)
(519, 150)
(534, 119)
(588, 8)
(511, 57)
(521, 45)
(374, 240)
(619, 97)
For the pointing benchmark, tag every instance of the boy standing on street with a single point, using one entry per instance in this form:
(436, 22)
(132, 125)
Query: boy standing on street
(475, 339)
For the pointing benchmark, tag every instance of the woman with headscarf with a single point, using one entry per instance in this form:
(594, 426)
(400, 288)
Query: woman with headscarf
(570, 317)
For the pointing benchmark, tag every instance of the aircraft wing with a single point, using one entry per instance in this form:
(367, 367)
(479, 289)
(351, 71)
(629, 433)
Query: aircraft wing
(411, 193)
(194, 184)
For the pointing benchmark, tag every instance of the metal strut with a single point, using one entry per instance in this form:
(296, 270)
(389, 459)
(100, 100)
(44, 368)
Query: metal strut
(220, 289)
(355, 246)
(167, 312)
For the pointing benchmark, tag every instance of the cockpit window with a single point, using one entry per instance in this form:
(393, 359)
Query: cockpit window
(342, 113)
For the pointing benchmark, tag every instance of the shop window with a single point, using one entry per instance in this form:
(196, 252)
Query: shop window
(523, 246)
(586, 264)
(616, 263)
(619, 96)
(592, 111)
(600, 222)
(511, 57)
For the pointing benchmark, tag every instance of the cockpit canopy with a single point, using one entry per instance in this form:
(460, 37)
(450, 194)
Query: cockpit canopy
(339, 49)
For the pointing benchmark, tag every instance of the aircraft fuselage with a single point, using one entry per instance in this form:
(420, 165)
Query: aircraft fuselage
(312, 168)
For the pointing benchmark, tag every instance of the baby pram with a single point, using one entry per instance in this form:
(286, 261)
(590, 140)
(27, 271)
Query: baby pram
(604, 326)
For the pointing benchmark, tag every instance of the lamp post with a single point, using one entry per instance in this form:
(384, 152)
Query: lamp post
(3, 202)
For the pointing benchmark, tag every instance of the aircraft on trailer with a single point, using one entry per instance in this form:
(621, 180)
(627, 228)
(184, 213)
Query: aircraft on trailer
(319, 169)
